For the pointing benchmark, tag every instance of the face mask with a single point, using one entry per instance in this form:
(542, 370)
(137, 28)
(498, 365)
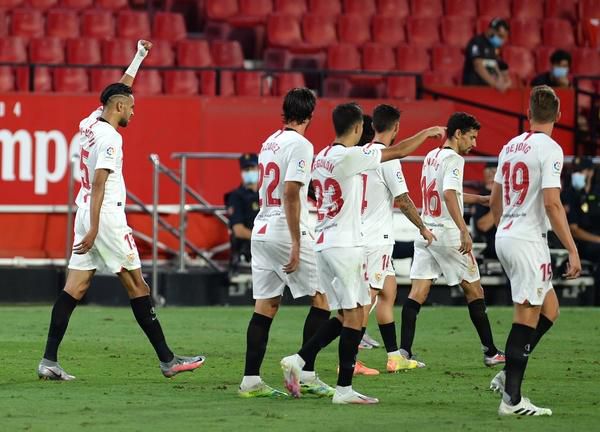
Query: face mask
(578, 180)
(250, 177)
(560, 72)
(496, 41)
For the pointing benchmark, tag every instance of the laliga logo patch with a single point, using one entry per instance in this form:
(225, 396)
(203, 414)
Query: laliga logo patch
(455, 172)
(399, 176)
(301, 164)
(110, 151)
(556, 166)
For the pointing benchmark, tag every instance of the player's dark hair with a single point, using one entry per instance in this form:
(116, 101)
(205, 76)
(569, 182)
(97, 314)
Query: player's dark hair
(560, 55)
(463, 122)
(114, 90)
(345, 117)
(498, 23)
(368, 132)
(384, 117)
(543, 104)
(298, 105)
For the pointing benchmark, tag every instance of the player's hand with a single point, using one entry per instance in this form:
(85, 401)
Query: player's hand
(292, 264)
(427, 235)
(466, 243)
(436, 132)
(143, 46)
(573, 267)
(484, 200)
(86, 243)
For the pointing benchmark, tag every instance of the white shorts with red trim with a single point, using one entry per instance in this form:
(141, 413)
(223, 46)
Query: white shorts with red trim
(430, 262)
(114, 249)
(379, 264)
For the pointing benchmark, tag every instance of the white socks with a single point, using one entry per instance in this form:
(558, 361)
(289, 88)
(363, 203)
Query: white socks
(250, 381)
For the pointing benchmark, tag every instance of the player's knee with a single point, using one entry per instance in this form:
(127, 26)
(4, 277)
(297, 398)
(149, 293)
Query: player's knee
(267, 307)
(76, 289)
(553, 314)
(418, 295)
(320, 301)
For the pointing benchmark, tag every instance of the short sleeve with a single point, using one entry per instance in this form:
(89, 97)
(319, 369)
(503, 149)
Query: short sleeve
(474, 51)
(300, 160)
(235, 206)
(394, 178)
(552, 163)
(359, 159)
(453, 173)
(109, 149)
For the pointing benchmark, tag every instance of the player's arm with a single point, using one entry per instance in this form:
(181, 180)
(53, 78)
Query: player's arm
(560, 226)
(241, 231)
(236, 219)
(485, 222)
(409, 145)
(451, 199)
(97, 196)
(291, 206)
(484, 74)
(143, 47)
(474, 199)
(407, 207)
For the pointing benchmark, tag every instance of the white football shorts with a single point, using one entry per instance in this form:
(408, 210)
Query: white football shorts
(342, 275)
(528, 267)
(379, 264)
(430, 262)
(114, 248)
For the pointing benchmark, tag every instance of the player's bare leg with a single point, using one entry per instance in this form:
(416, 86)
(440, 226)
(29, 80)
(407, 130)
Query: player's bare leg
(257, 337)
(77, 284)
(478, 314)
(416, 297)
(143, 310)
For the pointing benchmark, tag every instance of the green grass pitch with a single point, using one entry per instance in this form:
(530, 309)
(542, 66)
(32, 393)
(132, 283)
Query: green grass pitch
(119, 386)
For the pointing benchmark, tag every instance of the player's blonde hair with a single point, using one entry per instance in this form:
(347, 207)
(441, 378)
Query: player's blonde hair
(543, 104)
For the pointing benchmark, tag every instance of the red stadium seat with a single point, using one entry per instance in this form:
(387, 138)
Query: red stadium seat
(525, 32)
(520, 61)
(398, 8)
(84, 51)
(71, 80)
(3, 23)
(402, 87)
(558, 33)
(494, 8)
(437, 79)
(283, 31)
(13, 50)
(343, 57)
(250, 83)
(42, 80)
(227, 53)
(208, 83)
(10, 4)
(423, 31)
(365, 8)
(62, 23)
(590, 32)
(353, 29)
(148, 82)
(113, 5)
(27, 23)
(47, 50)
(169, 26)
(179, 82)
(565, 9)
(457, 30)
(252, 12)
(41, 4)
(527, 9)
(325, 7)
(586, 61)
(319, 30)
(100, 78)
(482, 23)
(589, 9)
(426, 8)
(161, 55)
(378, 57)
(97, 23)
(465, 8)
(193, 53)
(221, 10)
(7, 79)
(284, 82)
(296, 8)
(542, 58)
(447, 59)
(118, 52)
(388, 29)
(133, 25)
(410, 58)
(76, 4)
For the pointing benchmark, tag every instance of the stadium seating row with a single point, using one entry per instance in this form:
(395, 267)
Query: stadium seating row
(113, 5)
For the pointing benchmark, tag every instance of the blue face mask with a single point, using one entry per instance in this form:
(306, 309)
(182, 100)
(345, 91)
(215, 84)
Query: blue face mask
(496, 41)
(250, 177)
(578, 180)
(560, 72)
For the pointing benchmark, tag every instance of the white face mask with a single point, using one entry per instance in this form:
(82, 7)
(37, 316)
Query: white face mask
(250, 177)
(578, 180)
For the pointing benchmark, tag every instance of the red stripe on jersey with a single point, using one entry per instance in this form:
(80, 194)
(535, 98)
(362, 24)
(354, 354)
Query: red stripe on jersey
(507, 227)
(320, 239)
(279, 133)
(263, 230)
(370, 144)
(528, 135)
(327, 151)
(439, 150)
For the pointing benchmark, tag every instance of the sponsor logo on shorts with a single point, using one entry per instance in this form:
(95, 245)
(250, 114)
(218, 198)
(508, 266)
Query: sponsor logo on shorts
(131, 257)
(540, 292)
(378, 277)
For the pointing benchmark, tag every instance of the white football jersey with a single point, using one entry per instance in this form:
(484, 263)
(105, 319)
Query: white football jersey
(529, 163)
(285, 156)
(443, 170)
(101, 148)
(380, 187)
(338, 188)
